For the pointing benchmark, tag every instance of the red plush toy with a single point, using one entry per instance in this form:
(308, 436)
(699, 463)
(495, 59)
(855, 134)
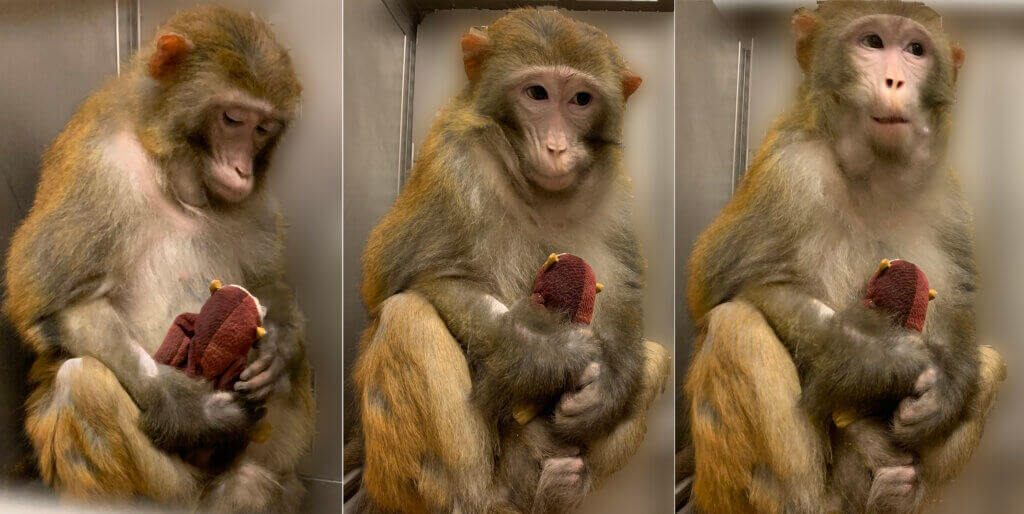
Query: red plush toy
(568, 284)
(901, 289)
(565, 283)
(213, 343)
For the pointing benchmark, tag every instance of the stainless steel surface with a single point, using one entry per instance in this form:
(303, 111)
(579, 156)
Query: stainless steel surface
(707, 73)
(645, 39)
(306, 176)
(55, 54)
(374, 72)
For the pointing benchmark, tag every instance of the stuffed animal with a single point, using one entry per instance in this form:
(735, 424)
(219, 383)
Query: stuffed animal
(565, 283)
(900, 289)
(213, 343)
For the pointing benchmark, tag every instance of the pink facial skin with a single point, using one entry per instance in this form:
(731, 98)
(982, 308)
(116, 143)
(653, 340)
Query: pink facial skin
(556, 106)
(237, 134)
(894, 55)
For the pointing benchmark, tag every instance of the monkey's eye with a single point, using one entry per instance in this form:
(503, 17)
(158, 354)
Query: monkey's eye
(261, 130)
(872, 41)
(229, 120)
(916, 49)
(581, 98)
(537, 93)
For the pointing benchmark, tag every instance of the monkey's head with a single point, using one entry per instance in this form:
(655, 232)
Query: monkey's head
(557, 88)
(879, 77)
(217, 94)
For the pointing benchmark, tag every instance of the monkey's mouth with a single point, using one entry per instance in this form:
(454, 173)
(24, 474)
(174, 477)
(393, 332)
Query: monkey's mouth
(889, 120)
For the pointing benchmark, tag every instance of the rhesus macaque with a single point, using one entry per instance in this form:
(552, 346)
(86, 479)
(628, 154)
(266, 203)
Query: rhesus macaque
(155, 187)
(525, 162)
(856, 173)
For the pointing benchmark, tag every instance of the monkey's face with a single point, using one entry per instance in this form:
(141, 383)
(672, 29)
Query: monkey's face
(555, 108)
(892, 57)
(238, 133)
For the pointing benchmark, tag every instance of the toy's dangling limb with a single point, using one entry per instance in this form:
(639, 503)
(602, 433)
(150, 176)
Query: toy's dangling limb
(553, 258)
(524, 413)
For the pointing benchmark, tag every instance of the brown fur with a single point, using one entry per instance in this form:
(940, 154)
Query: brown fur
(106, 258)
(469, 232)
(799, 238)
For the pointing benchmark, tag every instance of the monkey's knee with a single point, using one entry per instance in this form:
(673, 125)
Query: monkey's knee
(83, 426)
(992, 371)
(754, 448)
(657, 367)
(422, 438)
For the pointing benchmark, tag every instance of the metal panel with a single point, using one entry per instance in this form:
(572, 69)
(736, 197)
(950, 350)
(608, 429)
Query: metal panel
(56, 53)
(707, 130)
(376, 48)
(306, 177)
(645, 39)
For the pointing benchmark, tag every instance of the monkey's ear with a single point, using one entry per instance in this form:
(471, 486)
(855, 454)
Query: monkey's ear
(805, 23)
(630, 83)
(171, 49)
(474, 48)
(958, 58)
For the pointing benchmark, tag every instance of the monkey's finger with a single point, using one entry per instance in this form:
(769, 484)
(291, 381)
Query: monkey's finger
(915, 410)
(590, 374)
(258, 366)
(264, 379)
(926, 380)
(574, 404)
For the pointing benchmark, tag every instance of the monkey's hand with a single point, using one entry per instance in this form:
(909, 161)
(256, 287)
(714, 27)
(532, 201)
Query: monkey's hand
(858, 360)
(927, 412)
(531, 358)
(179, 413)
(262, 376)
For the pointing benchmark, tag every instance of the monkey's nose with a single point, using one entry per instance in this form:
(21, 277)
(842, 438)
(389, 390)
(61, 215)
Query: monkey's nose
(557, 145)
(243, 171)
(893, 84)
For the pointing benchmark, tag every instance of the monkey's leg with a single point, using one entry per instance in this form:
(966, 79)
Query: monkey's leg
(941, 462)
(264, 477)
(426, 446)
(608, 454)
(755, 450)
(84, 428)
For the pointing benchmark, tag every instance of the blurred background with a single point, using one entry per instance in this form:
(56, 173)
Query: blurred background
(57, 52)
(403, 63)
(736, 72)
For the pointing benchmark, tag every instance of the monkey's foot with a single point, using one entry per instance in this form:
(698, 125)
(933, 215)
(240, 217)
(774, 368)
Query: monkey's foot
(894, 489)
(563, 483)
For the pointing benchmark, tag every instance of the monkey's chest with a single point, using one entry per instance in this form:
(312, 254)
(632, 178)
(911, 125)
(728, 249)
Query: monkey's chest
(170, 276)
(841, 259)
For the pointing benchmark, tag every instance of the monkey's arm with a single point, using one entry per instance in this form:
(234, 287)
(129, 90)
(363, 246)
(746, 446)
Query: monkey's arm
(177, 412)
(282, 349)
(522, 354)
(846, 358)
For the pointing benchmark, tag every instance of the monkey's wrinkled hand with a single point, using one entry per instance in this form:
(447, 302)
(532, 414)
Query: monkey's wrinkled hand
(261, 377)
(928, 410)
(179, 413)
(857, 361)
(587, 408)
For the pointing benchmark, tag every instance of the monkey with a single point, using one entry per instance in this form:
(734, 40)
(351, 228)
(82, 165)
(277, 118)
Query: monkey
(524, 162)
(857, 171)
(155, 186)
